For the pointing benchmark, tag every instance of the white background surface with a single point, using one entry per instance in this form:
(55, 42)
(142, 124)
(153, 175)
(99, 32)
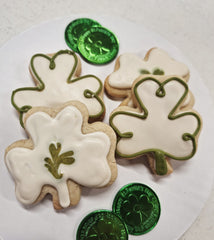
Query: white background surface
(187, 24)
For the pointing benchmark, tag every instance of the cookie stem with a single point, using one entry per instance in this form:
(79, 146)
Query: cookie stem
(160, 163)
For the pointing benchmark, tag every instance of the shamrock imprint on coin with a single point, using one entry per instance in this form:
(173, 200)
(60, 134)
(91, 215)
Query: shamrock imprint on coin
(138, 206)
(95, 46)
(75, 29)
(98, 45)
(102, 225)
(104, 230)
(136, 210)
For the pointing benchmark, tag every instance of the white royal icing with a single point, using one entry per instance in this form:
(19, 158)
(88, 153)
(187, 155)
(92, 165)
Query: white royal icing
(156, 131)
(131, 66)
(90, 168)
(57, 90)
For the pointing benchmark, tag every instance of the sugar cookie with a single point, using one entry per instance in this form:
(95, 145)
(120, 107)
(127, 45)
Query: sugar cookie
(57, 81)
(63, 151)
(157, 126)
(129, 66)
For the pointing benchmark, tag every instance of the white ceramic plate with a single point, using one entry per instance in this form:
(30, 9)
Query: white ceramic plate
(182, 194)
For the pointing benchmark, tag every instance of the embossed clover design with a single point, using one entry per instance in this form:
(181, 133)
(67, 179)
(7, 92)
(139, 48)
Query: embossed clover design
(96, 46)
(57, 82)
(158, 126)
(61, 151)
(102, 230)
(136, 209)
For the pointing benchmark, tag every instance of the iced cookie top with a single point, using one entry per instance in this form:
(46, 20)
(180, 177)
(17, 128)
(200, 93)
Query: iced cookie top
(57, 82)
(158, 126)
(156, 62)
(64, 147)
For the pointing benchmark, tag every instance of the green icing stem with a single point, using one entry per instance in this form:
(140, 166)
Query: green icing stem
(41, 84)
(160, 160)
(160, 163)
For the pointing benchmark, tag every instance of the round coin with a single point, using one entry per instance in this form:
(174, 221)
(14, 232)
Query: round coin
(138, 206)
(98, 45)
(75, 29)
(102, 224)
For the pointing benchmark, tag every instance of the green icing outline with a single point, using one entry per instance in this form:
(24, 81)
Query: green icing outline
(161, 167)
(41, 86)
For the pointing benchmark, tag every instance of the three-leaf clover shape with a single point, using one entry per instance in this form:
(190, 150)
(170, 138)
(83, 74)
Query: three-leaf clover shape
(158, 126)
(135, 210)
(97, 45)
(60, 152)
(104, 230)
(57, 82)
(156, 62)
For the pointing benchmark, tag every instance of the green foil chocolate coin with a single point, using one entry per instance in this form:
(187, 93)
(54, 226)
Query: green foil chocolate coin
(98, 45)
(77, 28)
(138, 206)
(102, 224)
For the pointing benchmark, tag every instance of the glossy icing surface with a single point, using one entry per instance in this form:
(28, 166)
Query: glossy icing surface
(58, 84)
(158, 127)
(131, 67)
(90, 151)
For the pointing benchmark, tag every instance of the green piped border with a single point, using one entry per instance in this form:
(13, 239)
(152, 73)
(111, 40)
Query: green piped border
(159, 93)
(87, 93)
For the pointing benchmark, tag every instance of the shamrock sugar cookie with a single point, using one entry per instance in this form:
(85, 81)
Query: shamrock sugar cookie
(57, 81)
(63, 151)
(157, 126)
(188, 103)
(128, 67)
